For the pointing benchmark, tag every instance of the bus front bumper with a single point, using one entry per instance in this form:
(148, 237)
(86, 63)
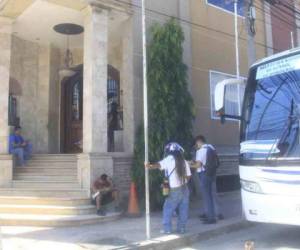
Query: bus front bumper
(270, 208)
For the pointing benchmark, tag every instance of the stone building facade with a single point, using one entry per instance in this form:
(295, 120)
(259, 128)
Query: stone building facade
(59, 113)
(71, 114)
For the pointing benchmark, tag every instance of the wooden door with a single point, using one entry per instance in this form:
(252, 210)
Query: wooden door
(72, 114)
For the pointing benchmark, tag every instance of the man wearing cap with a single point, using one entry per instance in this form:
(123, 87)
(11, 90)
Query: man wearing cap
(19, 147)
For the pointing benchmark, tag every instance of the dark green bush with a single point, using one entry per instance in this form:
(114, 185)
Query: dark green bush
(171, 110)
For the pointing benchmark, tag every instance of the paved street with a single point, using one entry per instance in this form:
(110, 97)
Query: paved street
(266, 237)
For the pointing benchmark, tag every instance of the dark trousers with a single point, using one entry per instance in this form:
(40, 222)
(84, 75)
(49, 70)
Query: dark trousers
(208, 182)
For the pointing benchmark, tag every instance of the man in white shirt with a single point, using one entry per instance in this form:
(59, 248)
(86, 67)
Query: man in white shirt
(207, 182)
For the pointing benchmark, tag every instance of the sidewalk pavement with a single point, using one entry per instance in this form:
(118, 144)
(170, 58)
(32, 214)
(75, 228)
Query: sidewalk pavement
(126, 233)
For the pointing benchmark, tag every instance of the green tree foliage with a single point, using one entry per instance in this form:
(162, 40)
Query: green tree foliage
(171, 111)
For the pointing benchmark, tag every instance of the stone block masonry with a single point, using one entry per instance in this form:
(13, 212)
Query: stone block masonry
(122, 179)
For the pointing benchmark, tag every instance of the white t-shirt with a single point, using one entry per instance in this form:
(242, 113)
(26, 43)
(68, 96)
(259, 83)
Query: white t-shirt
(168, 164)
(201, 156)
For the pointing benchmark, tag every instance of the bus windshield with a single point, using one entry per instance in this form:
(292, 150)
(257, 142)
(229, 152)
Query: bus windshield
(272, 111)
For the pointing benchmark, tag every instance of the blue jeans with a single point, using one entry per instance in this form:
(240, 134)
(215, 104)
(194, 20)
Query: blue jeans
(178, 198)
(23, 154)
(214, 193)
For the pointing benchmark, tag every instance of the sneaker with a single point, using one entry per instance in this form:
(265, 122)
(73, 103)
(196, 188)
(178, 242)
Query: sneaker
(211, 221)
(181, 231)
(220, 217)
(101, 212)
(203, 217)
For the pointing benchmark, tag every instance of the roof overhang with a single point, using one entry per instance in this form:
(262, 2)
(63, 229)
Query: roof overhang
(13, 8)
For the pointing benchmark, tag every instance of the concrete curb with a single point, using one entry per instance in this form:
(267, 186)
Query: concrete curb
(177, 241)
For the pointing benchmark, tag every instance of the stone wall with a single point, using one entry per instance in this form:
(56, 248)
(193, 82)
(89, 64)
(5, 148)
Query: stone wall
(229, 164)
(24, 68)
(5, 47)
(36, 68)
(122, 165)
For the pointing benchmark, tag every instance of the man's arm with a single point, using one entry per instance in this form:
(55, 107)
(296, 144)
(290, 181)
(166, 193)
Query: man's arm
(195, 164)
(200, 158)
(152, 165)
(94, 186)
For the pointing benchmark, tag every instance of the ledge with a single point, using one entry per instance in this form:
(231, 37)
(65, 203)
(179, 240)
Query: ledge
(6, 157)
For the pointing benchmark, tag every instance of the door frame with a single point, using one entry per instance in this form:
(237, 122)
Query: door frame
(78, 69)
(111, 71)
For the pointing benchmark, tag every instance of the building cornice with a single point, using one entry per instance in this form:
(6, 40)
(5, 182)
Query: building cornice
(111, 5)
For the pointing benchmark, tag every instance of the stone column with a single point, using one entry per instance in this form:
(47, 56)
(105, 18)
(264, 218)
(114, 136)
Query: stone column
(94, 160)
(6, 163)
(43, 99)
(128, 86)
(5, 49)
(95, 80)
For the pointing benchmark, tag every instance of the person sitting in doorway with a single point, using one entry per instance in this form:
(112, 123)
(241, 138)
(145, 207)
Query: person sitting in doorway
(19, 147)
(103, 193)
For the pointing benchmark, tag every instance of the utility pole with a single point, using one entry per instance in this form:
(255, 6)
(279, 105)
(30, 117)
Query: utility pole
(145, 91)
(250, 17)
(237, 55)
(292, 40)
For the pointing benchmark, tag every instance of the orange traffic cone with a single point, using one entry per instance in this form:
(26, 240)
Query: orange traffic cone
(133, 206)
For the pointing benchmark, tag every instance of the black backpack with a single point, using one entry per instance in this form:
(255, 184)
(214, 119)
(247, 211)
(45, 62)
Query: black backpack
(212, 161)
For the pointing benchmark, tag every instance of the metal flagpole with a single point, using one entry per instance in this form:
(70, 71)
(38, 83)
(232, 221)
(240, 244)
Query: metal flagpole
(147, 195)
(237, 57)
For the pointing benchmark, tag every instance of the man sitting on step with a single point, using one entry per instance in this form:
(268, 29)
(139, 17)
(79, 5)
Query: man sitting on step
(19, 147)
(103, 193)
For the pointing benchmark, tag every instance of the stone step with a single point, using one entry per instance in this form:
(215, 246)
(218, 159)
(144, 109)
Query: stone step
(54, 220)
(27, 200)
(45, 192)
(57, 156)
(45, 184)
(51, 163)
(31, 177)
(47, 209)
(47, 173)
(44, 169)
(50, 172)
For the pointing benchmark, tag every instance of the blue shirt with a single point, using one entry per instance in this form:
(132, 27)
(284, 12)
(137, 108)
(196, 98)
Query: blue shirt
(14, 139)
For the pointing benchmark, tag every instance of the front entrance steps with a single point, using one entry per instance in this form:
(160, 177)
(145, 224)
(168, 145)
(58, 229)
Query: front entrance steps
(46, 193)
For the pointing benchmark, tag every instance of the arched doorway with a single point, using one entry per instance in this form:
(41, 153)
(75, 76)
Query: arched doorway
(72, 110)
(72, 113)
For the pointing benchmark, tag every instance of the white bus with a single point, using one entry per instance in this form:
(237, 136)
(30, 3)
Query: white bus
(270, 138)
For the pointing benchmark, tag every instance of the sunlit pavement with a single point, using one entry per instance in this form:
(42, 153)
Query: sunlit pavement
(111, 235)
(265, 237)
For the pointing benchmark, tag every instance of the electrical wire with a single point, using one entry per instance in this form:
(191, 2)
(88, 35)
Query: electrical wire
(276, 14)
(190, 23)
(282, 25)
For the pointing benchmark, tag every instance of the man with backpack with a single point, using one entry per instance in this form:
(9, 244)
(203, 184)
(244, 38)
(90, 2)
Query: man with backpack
(206, 162)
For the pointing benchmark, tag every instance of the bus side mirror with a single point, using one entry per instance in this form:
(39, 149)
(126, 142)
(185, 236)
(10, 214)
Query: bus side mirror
(220, 97)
